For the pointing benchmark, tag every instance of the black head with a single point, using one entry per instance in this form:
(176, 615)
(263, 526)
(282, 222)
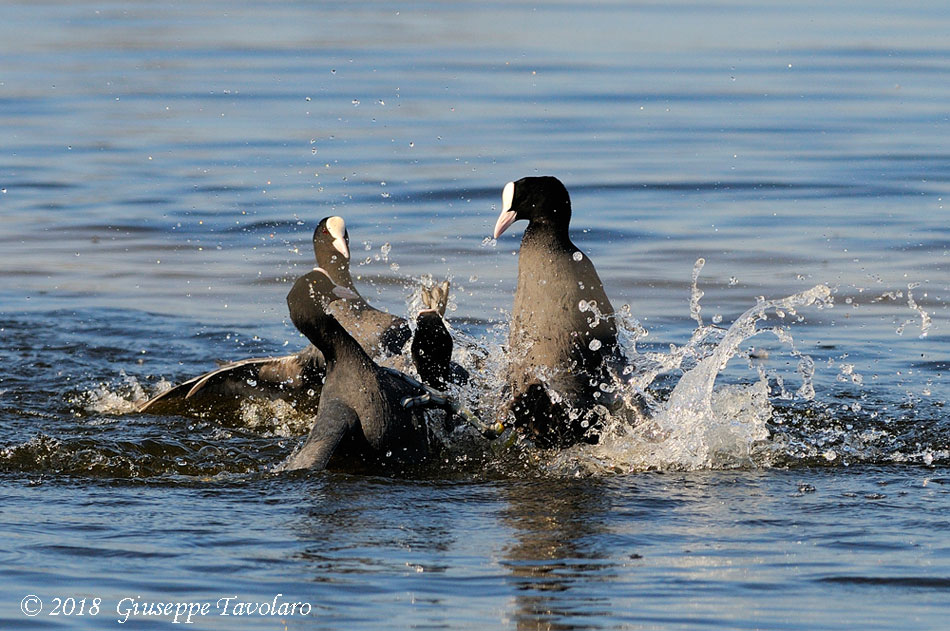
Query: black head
(331, 244)
(539, 200)
(309, 297)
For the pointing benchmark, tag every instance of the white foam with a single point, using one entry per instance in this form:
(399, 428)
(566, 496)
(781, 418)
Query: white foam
(123, 399)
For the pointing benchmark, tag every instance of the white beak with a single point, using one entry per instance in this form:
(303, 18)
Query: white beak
(505, 219)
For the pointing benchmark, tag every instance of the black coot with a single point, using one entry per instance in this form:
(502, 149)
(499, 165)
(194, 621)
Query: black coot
(361, 422)
(562, 338)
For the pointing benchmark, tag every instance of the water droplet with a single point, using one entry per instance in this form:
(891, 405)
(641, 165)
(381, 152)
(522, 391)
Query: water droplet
(578, 256)
(595, 345)
(583, 305)
(356, 102)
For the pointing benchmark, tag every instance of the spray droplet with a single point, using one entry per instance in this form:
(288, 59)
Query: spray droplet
(594, 345)
(578, 256)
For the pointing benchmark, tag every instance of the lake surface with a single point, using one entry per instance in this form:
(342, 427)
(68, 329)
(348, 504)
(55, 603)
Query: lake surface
(161, 172)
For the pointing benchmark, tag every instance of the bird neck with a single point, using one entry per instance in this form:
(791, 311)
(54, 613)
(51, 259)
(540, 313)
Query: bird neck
(336, 344)
(339, 273)
(547, 234)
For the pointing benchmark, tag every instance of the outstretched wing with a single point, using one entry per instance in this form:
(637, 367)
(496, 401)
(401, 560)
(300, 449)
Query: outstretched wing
(262, 376)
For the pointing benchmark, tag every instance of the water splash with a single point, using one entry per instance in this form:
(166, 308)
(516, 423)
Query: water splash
(696, 294)
(925, 320)
(114, 399)
(691, 421)
(273, 418)
(698, 427)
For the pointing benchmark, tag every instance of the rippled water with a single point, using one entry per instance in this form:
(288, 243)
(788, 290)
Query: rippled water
(161, 171)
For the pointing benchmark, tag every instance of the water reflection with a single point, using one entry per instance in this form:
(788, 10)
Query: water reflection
(556, 561)
(358, 524)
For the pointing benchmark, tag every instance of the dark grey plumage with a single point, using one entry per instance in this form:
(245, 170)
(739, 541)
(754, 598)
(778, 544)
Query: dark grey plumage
(360, 423)
(375, 330)
(562, 338)
(432, 343)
